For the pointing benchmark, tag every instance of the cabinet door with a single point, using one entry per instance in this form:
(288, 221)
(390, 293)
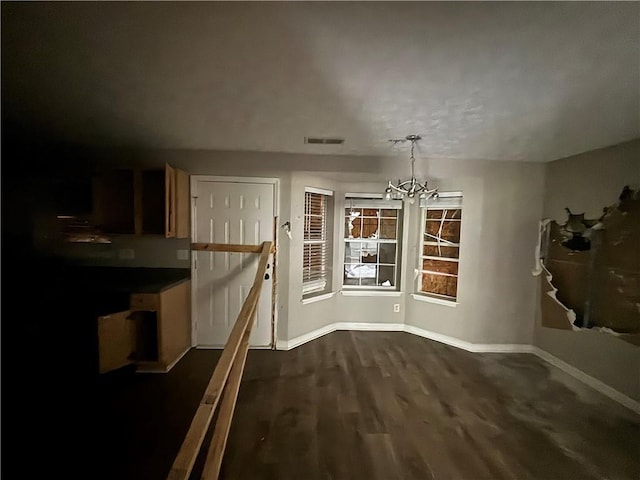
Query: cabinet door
(113, 201)
(174, 329)
(170, 201)
(183, 205)
(153, 202)
(116, 341)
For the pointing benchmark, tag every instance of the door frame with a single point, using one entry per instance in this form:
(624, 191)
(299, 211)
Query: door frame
(193, 180)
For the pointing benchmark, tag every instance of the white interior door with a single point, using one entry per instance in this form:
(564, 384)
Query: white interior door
(231, 212)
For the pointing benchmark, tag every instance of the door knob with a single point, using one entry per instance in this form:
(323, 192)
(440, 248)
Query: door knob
(266, 276)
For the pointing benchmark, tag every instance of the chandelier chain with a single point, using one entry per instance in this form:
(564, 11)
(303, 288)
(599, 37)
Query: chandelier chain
(413, 159)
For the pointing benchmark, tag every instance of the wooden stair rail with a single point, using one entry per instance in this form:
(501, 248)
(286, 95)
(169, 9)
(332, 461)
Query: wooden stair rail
(224, 382)
(228, 247)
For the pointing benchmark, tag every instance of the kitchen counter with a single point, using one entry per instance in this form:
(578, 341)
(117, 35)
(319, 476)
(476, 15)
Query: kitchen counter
(57, 305)
(115, 280)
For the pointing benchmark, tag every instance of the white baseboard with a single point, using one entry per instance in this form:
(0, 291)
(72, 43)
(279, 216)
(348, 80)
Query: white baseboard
(401, 327)
(373, 327)
(594, 383)
(468, 346)
(307, 337)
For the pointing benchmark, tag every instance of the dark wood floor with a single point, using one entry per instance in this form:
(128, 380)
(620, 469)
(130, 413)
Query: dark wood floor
(349, 405)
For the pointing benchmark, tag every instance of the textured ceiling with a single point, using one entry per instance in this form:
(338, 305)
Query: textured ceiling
(531, 81)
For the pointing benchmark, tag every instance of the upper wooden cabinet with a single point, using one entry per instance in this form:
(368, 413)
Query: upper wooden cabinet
(142, 201)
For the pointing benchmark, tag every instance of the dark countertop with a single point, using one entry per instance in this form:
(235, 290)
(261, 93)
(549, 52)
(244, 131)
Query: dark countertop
(123, 280)
(55, 304)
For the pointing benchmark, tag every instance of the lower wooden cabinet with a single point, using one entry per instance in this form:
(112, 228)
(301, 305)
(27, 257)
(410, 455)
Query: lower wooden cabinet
(153, 334)
(115, 341)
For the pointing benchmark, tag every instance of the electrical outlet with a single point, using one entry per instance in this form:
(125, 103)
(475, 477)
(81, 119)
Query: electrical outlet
(182, 254)
(396, 308)
(126, 254)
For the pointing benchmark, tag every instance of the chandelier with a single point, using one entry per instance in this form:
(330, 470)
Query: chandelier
(409, 188)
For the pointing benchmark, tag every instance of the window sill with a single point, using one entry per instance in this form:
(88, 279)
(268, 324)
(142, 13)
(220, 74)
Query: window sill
(439, 301)
(318, 298)
(369, 293)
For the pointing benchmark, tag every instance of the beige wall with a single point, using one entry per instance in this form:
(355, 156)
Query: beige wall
(496, 291)
(586, 183)
(502, 205)
(152, 251)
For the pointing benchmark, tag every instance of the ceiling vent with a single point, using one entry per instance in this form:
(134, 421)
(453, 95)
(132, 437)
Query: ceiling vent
(324, 140)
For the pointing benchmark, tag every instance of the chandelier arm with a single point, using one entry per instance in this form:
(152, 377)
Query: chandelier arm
(397, 189)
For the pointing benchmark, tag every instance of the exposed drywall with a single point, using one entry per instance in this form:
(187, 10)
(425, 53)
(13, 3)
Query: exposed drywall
(586, 183)
(593, 266)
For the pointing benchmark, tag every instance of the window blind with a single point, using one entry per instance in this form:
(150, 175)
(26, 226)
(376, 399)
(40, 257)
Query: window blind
(315, 243)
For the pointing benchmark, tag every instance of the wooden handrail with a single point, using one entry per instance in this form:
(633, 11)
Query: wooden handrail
(225, 380)
(228, 247)
(211, 469)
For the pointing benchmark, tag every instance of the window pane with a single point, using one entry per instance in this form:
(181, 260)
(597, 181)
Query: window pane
(349, 211)
(448, 213)
(432, 251)
(352, 252)
(439, 284)
(388, 228)
(353, 228)
(368, 281)
(369, 227)
(441, 266)
(389, 213)
(386, 276)
(353, 222)
(314, 261)
(388, 253)
(369, 257)
(450, 230)
(371, 247)
(360, 270)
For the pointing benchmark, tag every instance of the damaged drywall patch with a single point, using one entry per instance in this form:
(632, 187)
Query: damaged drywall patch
(592, 270)
(554, 313)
